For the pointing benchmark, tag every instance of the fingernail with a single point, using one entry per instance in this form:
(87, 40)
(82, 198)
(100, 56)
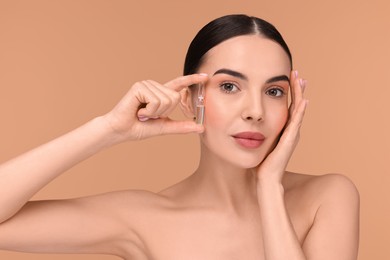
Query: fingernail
(143, 118)
(203, 74)
(296, 73)
(301, 82)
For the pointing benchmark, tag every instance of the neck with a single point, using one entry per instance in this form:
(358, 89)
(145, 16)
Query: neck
(224, 184)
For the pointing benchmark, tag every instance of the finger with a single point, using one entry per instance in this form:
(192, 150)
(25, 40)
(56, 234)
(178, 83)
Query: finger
(185, 81)
(290, 137)
(296, 119)
(149, 101)
(166, 100)
(297, 90)
(293, 76)
(278, 159)
(304, 82)
(171, 98)
(167, 126)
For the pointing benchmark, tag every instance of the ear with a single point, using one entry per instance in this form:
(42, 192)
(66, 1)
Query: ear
(186, 103)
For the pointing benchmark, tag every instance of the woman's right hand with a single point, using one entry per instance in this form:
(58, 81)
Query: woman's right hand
(143, 112)
(23, 176)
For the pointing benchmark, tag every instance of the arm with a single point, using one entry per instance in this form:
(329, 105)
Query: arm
(96, 224)
(338, 211)
(335, 231)
(279, 238)
(23, 176)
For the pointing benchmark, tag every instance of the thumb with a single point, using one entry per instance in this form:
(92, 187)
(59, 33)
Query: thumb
(179, 127)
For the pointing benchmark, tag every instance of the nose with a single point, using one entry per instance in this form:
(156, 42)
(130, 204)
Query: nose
(253, 108)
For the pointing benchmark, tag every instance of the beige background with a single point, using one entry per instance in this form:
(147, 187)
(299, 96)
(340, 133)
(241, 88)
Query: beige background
(64, 62)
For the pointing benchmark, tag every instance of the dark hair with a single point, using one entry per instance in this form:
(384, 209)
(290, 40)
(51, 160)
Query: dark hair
(224, 28)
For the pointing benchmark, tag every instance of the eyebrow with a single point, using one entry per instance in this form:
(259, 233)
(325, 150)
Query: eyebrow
(243, 77)
(232, 73)
(278, 78)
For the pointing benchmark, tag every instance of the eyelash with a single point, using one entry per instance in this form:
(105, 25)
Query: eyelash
(228, 91)
(282, 93)
(280, 90)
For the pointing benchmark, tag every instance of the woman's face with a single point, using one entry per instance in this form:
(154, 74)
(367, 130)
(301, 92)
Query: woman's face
(246, 99)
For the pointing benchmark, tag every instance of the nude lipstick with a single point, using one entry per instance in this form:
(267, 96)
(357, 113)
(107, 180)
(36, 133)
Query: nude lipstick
(250, 140)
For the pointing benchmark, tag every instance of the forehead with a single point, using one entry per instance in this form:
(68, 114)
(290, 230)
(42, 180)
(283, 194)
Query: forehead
(252, 55)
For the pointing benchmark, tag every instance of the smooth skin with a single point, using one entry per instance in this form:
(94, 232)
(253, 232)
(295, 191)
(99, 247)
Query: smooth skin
(239, 204)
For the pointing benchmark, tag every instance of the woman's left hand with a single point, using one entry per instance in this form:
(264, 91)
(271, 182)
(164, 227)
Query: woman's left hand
(274, 165)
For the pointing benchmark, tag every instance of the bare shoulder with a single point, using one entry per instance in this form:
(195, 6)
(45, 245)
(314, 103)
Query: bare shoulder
(132, 208)
(108, 223)
(324, 186)
(138, 211)
(326, 207)
(317, 190)
(133, 201)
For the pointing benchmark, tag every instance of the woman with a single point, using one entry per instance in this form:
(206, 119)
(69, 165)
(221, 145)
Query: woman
(240, 203)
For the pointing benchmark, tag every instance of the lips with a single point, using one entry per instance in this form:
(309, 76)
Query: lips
(250, 140)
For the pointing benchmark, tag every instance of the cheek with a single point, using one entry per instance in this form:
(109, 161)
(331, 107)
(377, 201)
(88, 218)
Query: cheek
(278, 119)
(216, 111)
(213, 115)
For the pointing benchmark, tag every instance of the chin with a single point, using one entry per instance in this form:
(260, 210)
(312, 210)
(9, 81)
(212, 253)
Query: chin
(249, 164)
(247, 161)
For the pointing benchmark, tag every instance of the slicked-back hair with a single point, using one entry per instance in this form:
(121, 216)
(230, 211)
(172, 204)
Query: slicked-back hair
(224, 28)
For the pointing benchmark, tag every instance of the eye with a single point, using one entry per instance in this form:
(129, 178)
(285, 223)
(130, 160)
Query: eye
(228, 87)
(275, 92)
